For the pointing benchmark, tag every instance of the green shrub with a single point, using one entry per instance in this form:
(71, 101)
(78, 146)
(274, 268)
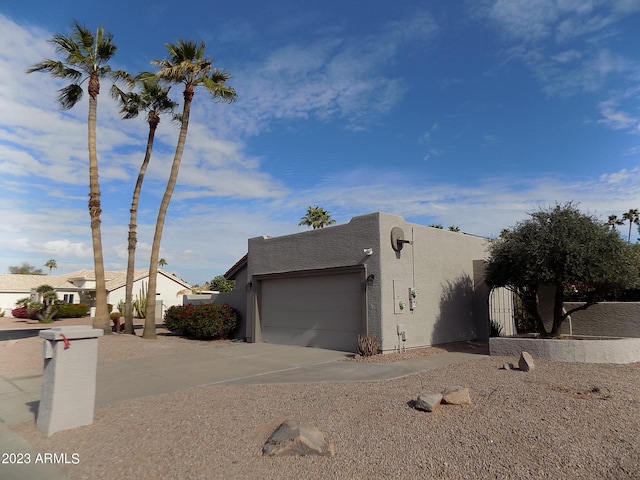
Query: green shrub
(72, 310)
(202, 321)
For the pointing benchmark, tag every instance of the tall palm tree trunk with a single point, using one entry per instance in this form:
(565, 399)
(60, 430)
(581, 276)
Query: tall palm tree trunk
(101, 319)
(131, 258)
(150, 320)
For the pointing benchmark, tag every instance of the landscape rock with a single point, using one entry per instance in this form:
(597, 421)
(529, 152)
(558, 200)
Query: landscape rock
(428, 402)
(508, 366)
(456, 396)
(297, 439)
(526, 362)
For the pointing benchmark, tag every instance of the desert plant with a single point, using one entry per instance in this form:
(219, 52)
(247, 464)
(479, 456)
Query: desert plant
(495, 329)
(202, 321)
(140, 302)
(368, 345)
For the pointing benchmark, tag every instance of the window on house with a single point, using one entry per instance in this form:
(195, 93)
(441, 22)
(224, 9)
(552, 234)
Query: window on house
(68, 298)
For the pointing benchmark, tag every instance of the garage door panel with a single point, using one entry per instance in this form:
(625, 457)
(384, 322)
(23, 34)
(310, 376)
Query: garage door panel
(311, 338)
(321, 311)
(312, 320)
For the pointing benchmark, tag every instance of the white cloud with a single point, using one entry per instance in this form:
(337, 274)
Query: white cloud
(328, 77)
(616, 118)
(537, 30)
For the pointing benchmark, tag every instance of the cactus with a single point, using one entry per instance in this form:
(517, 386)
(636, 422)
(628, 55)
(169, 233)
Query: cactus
(140, 302)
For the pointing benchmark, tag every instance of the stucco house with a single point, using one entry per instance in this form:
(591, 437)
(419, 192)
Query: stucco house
(407, 284)
(80, 286)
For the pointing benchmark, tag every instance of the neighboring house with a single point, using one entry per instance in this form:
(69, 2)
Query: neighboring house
(14, 287)
(80, 286)
(407, 284)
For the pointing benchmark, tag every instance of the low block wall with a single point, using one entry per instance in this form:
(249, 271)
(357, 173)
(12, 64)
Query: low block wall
(614, 319)
(612, 350)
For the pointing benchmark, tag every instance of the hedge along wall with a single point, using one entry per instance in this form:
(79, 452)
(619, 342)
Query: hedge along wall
(613, 319)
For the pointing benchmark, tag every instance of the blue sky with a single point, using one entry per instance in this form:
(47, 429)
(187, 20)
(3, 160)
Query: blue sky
(470, 113)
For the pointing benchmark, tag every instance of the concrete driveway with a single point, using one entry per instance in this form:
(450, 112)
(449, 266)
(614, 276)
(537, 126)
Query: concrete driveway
(229, 364)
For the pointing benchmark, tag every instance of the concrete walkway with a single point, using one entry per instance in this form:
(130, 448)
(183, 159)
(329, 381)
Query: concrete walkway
(233, 364)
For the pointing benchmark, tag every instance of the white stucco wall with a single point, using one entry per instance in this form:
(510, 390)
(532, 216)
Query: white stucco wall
(439, 264)
(336, 246)
(445, 268)
(166, 288)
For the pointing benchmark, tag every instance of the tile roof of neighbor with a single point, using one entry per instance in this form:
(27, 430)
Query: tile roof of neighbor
(24, 283)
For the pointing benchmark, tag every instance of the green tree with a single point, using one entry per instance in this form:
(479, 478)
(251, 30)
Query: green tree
(632, 216)
(454, 228)
(614, 222)
(188, 66)
(316, 217)
(162, 263)
(153, 99)
(85, 57)
(438, 226)
(222, 285)
(25, 269)
(51, 263)
(562, 247)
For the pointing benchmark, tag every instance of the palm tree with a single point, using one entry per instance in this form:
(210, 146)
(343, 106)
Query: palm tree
(153, 99)
(51, 263)
(186, 65)
(85, 58)
(162, 263)
(633, 216)
(316, 217)
(454, 228)
(613, 222)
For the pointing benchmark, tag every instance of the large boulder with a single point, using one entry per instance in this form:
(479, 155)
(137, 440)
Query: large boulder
(456, 396)
(297, 439)
(525, 363)
(428, 402)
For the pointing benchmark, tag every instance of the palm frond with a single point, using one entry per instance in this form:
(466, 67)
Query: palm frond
(69, 96)
(122, 76)
(221, 93)
(83, 36)
(106, 49)
(56, 69)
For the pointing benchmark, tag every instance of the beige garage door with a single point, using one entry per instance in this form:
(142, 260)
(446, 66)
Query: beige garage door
(318, 311)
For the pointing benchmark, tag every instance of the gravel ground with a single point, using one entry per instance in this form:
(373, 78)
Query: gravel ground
(569, 421)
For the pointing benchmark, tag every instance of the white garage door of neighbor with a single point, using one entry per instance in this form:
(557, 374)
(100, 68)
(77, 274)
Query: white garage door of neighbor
(313, 311)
